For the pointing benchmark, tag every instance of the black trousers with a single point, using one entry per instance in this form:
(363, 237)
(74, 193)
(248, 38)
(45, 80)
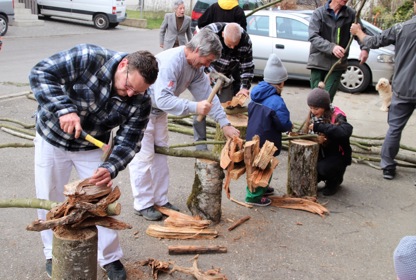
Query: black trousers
(331, 170)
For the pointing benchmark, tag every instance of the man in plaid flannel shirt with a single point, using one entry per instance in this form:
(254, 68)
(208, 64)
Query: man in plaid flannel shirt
(93, 89)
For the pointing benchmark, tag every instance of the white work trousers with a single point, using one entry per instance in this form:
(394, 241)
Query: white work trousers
(53, 168)
(149, 172)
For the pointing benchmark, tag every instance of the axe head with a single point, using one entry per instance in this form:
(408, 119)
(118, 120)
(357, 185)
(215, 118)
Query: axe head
(216, 75)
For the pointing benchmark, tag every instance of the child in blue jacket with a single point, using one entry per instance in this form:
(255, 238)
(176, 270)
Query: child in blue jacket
(268, 117)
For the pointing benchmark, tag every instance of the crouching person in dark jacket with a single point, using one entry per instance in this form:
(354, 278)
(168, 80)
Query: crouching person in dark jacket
(268, 117)
(334, 144)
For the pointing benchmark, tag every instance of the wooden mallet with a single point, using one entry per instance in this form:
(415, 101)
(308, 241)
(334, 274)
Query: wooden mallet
(221, 79)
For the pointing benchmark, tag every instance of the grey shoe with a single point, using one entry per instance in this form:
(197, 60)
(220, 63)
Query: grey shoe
(115, 271)
(150, 214)
(49, 267)
(170, 206)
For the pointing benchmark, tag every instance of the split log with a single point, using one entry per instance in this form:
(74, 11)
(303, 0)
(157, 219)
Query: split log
(239, 222)
(302, 168)
(180, 233)
(205, 198)
(181, 250)
(74, 253)
(251, 150)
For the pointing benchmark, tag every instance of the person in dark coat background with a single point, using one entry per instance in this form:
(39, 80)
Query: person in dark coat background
(268, 117)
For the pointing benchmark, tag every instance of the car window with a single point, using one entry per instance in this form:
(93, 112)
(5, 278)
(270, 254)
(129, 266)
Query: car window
(287, 28)
(203, 5)
(258, 25)
(249, 4)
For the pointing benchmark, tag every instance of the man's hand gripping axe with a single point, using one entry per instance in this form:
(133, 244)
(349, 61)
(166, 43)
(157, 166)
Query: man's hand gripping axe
(220, 80)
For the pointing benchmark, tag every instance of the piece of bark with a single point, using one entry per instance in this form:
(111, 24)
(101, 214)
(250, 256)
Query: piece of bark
(181, 250)
(212, 274)
(239, 222)
(180, 233)
(74, 253)
(302, 168)
(305, 204)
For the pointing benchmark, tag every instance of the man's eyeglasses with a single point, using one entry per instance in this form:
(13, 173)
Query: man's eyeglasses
(128, 87)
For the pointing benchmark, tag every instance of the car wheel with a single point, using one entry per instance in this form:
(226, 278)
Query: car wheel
(3, 25)
(356, 78)
(101, 21)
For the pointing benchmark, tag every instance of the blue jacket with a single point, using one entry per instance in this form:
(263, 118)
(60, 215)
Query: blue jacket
(268, 115)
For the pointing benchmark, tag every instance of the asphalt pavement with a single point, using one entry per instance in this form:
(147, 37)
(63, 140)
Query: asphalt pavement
(368, 216)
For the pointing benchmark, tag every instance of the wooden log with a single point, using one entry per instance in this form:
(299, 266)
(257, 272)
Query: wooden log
(74, 253)
(205, 198)
(239, 222)
(302, 168)
(182, 249)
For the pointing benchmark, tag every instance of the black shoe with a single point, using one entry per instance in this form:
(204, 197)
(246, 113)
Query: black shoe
(115, 271)
(389, 174)
(330, 191)
(264, 201)
(49, 267)
(150, 214)
(170, 206)
(269, 191)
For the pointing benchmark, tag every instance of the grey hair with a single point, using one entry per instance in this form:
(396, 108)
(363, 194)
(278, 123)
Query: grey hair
(233, 31)
(207, 43)
(177, 3)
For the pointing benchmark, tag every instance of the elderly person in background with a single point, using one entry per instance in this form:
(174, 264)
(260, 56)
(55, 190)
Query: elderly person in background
(175, 26)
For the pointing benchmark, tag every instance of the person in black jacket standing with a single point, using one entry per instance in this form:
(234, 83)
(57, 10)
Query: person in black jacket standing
(329, 33)
(403, 102)
(223, 11)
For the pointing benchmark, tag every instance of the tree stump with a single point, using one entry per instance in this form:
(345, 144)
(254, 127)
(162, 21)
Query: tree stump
(74, 253)
(302, 168)
(205, 198)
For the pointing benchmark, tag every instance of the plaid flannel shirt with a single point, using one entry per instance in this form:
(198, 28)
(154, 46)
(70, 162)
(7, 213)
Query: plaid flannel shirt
(80, 80)
(242, 55)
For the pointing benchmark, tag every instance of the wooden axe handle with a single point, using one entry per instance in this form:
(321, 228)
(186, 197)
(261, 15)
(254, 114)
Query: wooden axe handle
(211, 96)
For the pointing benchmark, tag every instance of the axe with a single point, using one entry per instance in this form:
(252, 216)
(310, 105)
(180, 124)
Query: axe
(221, 79)
(104, 147)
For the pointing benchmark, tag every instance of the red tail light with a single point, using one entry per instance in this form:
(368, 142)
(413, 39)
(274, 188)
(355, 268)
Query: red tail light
(196, 15)
(114, 10)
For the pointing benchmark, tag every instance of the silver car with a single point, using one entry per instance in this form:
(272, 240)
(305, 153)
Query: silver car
(285, 33)
(6, 15)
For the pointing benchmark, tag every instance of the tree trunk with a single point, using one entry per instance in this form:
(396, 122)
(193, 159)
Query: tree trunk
(302, 168)
(74, 253)
(205, 198)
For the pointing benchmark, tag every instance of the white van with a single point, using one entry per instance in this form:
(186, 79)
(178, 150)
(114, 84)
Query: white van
(104, 13)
